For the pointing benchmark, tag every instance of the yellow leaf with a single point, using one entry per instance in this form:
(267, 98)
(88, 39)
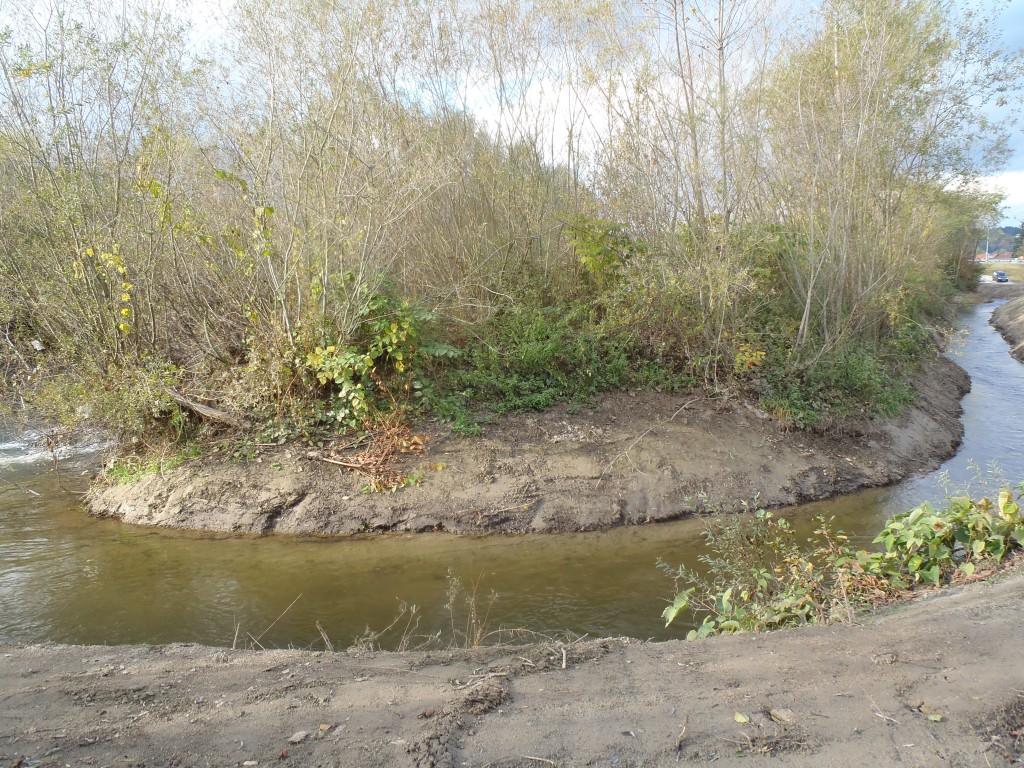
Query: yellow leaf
(1007, 506)
(739, 717)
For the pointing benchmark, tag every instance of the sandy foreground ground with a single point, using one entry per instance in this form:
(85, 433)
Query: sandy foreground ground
(938, 681)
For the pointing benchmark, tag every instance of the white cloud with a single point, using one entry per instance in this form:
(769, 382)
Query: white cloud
(208, 18)
(1011, 185)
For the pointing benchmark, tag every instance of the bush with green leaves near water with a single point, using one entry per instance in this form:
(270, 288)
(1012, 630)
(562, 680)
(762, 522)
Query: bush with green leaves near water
(931, 546)
(759, 576)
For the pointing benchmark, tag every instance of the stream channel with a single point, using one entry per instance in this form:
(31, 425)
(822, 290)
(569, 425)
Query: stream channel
(68, 578)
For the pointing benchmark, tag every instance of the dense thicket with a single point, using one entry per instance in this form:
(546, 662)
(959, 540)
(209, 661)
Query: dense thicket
(328, 205)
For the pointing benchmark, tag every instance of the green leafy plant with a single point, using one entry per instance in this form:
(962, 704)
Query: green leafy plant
(757, 575)
(857, 380)
(348, 370)
(381, 359)
(928, 545)
(603, 247)
(532, 356)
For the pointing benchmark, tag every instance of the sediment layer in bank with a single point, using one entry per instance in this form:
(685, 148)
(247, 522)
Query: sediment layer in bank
(634, 458)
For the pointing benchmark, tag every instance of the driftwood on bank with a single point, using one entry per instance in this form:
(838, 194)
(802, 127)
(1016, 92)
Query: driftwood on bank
(206, 411)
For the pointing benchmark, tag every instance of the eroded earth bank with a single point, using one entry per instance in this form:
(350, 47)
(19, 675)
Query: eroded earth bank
(633, 458)
(1008, 319)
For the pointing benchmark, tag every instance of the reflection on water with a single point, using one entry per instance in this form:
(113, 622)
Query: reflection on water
(65, 577)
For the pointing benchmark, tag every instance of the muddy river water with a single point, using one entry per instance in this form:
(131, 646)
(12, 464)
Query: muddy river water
(69, 578)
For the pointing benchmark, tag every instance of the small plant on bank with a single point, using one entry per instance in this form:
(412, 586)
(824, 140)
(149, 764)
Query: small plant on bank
(473, 628)
(359, 376)
(931, 546)
(127, 470)
(758, 576)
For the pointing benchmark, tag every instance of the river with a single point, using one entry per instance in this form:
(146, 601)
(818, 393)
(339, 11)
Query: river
(66, 577)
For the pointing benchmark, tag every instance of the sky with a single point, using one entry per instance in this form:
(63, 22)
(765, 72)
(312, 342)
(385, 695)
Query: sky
(1011, 181)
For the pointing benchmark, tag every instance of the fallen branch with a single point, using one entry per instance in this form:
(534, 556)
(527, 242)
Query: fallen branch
(206, 411)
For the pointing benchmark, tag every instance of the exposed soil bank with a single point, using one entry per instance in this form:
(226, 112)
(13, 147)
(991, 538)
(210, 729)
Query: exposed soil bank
(1009, 321)
(633, 459)
(935, 682)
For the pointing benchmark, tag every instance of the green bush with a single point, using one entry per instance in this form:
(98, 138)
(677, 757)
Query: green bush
(531, 356)
(758, 576)
(930, 546)
(364, 375)
(603, 247)
(858, 380)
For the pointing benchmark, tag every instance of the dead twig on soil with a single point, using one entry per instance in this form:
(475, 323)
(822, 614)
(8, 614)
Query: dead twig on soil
(340, 463)
(887, 718)
(641, 436)
(478, 679)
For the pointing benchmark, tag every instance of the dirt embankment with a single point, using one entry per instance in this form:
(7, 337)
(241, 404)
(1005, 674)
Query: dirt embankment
(634, 458)
(1009, 321)
(935, 682)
